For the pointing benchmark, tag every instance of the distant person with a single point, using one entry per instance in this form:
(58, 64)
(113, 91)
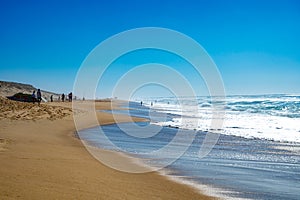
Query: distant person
(51, 98)
(70, 97)
(141, 103)
(39, 96)
(63, 97)
(151, 103)
(58, 98)
(33, 97)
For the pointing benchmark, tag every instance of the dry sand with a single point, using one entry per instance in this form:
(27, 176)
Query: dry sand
(40, 158)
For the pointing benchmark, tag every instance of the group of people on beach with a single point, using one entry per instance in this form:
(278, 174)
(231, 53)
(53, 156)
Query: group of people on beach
(63, 96)
(37, 97)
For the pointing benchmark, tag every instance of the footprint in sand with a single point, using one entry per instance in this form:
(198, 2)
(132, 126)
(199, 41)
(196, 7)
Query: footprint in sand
(3, 144)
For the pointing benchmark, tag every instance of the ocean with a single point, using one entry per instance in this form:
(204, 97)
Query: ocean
(256, 154)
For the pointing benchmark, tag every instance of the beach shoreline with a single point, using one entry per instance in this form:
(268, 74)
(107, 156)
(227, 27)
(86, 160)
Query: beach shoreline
(228, 172)
(42, 158)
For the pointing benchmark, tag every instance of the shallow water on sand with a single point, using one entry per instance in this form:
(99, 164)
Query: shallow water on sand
(244, 168)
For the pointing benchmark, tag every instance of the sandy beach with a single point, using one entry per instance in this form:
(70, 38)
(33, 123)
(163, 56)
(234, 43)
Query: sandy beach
(133, 100)
(41, 158)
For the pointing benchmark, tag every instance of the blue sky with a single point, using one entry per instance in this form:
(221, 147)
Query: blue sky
(255, 44)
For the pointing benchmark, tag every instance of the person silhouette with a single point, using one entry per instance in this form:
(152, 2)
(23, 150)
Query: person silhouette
(63, 97)
(70, 96)
(33, 97)
(39, 96)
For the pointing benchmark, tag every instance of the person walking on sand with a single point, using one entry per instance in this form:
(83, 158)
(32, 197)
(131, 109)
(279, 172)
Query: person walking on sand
(51, 98)
(39, 96)
(63, 97)
(33, 96)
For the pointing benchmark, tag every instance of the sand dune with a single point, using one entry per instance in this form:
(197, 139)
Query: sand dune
(11, 88)
(15, 110)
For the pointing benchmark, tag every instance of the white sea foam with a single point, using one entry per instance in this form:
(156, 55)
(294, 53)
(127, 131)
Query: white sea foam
(265, 117)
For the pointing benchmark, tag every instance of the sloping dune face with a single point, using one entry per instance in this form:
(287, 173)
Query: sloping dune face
(14, 110)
